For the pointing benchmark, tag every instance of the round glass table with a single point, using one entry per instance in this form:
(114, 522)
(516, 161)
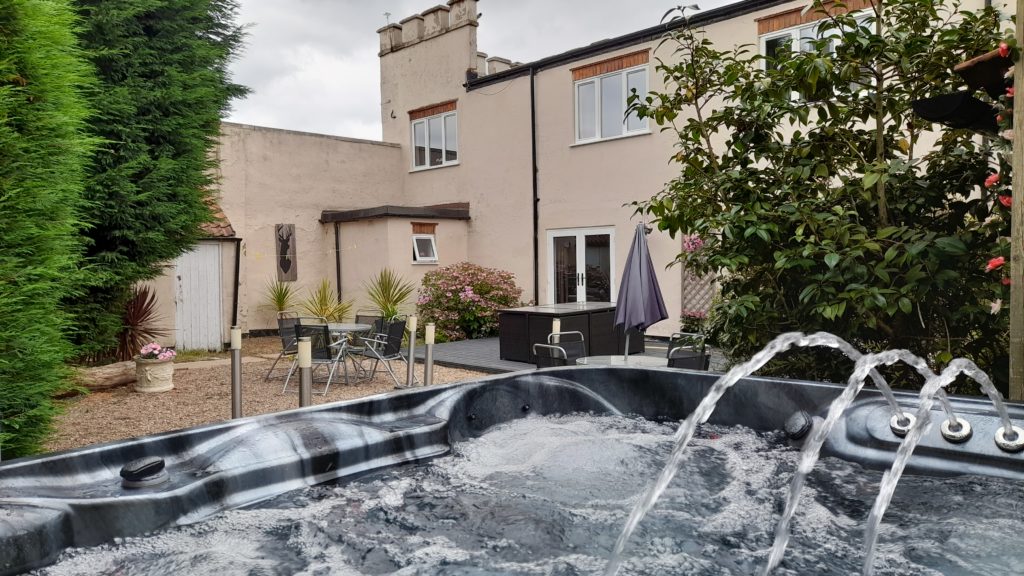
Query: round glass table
(620, 360)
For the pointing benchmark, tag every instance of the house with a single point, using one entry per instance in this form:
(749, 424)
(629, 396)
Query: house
(526, 167)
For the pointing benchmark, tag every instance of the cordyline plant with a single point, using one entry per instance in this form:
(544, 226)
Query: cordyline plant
(463, 300)
(821, 200)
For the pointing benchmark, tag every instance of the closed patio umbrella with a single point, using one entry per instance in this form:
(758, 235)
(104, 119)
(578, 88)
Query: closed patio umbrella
(639, 303)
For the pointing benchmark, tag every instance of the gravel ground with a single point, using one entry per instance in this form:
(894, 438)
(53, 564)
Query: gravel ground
(202, 395)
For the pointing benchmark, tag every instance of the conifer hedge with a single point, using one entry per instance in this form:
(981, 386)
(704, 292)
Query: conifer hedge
(43, 150)
(164, 87)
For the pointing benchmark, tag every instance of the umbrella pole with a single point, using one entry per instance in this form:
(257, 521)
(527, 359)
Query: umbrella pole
(625, 351)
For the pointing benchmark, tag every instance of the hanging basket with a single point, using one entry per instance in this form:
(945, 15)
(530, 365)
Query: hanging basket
(154, 375)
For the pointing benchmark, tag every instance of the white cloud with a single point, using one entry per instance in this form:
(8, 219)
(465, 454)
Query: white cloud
(312, 64)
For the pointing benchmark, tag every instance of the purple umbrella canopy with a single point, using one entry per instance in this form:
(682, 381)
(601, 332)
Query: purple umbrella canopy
(639, 303)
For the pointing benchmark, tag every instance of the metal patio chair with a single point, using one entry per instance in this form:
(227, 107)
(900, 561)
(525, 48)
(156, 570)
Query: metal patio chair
(548, 355)
(687, 350)
(383, 347)
(324, 352)
(289, 346)
(571, 342)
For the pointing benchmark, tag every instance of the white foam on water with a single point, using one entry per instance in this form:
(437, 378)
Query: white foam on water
(547, 496)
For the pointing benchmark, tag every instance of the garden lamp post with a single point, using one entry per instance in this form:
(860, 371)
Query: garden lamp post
(1017, 227)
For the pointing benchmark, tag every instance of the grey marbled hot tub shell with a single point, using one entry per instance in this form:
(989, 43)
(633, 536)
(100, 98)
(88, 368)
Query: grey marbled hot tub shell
(76, 498)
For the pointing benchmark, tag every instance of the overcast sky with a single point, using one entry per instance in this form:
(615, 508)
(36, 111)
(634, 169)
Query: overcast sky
(312, 64)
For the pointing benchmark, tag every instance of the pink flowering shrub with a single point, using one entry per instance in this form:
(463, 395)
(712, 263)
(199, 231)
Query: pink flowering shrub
(463, 299)
(692, 321)
(154, 351)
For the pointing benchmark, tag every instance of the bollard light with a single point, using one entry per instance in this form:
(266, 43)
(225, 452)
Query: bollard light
(305, 362)
(428, 355)
(236, 372)
(305, 353)
(410, 360)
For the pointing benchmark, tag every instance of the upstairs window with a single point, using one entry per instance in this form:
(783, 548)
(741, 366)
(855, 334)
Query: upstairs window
(435, 136)
(601, 90)
(796, 30)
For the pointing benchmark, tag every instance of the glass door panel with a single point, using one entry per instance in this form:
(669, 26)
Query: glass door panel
(566, 278)
(598, 271)
(582, 265)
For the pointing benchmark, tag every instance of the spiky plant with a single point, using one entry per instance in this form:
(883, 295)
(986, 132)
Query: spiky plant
(389, 291)
(140, 318)
(280, 295)
(323, 302)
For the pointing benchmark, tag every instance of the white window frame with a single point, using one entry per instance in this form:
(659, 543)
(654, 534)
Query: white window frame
(416, 257)
(426, 135)
(793, 32)
(581, 234)
(644, 129)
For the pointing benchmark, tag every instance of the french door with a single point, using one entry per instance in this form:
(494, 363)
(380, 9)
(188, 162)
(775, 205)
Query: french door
(582, 265)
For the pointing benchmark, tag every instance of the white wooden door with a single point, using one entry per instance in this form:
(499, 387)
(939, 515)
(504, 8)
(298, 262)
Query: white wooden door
(197, 299)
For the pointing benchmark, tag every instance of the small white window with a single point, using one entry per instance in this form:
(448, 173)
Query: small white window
(435, 141)
(601, 105)
(424, 250)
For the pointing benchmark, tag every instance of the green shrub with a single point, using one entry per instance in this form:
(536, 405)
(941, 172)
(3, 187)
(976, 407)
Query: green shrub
(164, 88)
(463, 299)
(43, 150)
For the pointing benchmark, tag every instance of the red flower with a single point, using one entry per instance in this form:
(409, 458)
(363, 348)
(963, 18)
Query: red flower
(992, 180)
(1006, 281)
(1004, 49)
(1009, 91)
(1006, 200)
(995, 263)
(999, 117)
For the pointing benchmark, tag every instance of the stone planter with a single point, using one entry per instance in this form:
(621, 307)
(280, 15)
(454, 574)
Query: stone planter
(153, 375)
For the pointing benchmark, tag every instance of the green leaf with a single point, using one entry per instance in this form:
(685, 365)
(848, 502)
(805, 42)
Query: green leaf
(951, 245)
(905, 305)
(831, 260)
(870, 179)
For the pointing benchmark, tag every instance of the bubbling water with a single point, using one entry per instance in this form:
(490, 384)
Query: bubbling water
(545, 496)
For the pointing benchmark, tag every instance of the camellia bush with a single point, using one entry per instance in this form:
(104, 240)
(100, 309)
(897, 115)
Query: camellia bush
(822, 203)
(463, 299)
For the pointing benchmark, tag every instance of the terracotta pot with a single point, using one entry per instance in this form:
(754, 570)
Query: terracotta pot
(153, 375)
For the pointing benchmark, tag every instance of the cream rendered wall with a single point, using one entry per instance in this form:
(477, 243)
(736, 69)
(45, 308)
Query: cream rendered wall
(370, 245)
(270, 176)
(429, 72)
(493, 173)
